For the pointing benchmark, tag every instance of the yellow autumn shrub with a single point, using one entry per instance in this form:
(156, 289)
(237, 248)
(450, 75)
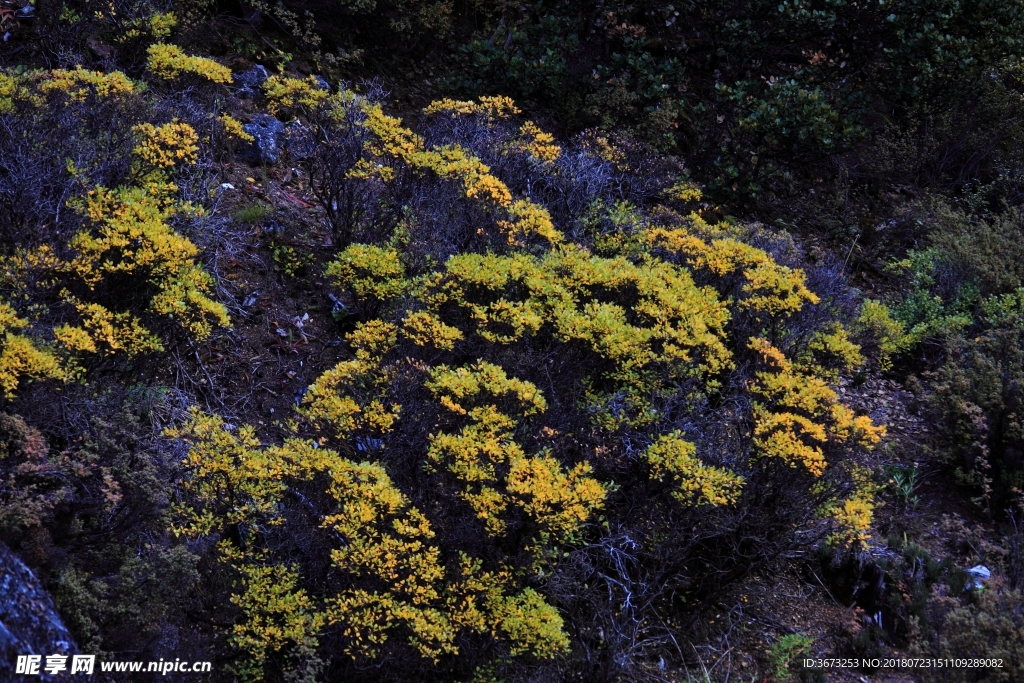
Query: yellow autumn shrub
(283, 92)
(674, 326)
(170, 61)
(390, 145)
(853, 515)
(234, 128)
(130, 235)
(79, 83)
(399, 584)
(156, 25)
(492, 107)
(276, 611)
(369, 271)
(20, 357)
(798, 412)
(496, 472)
(124, 235)
(537, 143)
(670, 456)
(352, 396)
(502, 416)
(768, 288)
(166, 146)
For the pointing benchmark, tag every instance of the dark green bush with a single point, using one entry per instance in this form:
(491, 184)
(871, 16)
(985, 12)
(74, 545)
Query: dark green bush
(976, 398)
(765, 101)
(963, 306)
(989, 626)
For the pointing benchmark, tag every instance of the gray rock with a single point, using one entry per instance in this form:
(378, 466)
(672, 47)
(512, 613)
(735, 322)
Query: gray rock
(322, 82)
(249, 82)
(979, 574)
(29, 623)
(299, 140)
(253, 78)
(266, 148)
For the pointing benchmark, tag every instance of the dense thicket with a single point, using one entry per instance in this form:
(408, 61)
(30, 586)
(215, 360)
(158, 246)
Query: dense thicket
(764, 100)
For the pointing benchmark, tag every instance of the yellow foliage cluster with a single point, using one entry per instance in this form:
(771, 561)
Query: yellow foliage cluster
(523, 218)
(126, 232)
(527, 219)
(423, 328)
(853, 515)
(603, 148)
(20, 357)
(370, 272)
(684, 191)
(386, 542)
(33, 88)
(492, 107)
(161, 24)
(233, 127)
(276, 612)
(451, 107)
(799, 411)
(283, 92)
(770, 288)
(130, 235)
(525, 620)
(485, 459)
(532, 139)
(670, 456)
(79, 83)
(99, 329)
(349, 396)
(157, 25)
(166, 146)
(537, 143)
(673, 325)
(12, 89)
(833, 346)
(453, 387)
(558, 499)
(170, 61)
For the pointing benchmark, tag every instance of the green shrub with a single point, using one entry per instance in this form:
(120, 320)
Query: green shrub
(904, 483)
(932, 307)
(292, 262)
(895, 594)
(785, 654)
(968, 260)
(89, 513)
(963, 303)
(252, 213)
